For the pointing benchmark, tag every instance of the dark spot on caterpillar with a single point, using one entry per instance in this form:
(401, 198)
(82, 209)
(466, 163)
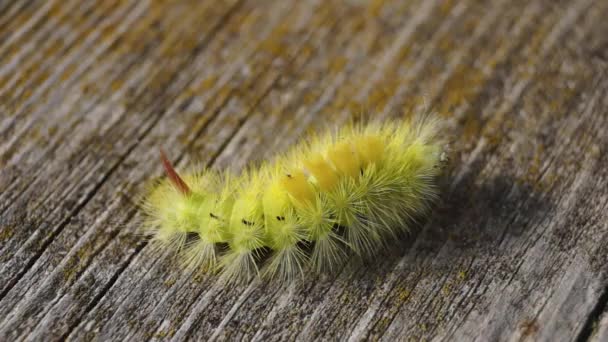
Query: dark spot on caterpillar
(214, 216)
(289, 176)
(247, 223)
(362, 171)
(280, 218)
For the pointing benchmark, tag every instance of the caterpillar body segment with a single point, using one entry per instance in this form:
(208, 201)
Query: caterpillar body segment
(352, 191)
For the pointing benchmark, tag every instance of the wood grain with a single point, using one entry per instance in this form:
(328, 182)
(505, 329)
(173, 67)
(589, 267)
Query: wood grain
(515, 250)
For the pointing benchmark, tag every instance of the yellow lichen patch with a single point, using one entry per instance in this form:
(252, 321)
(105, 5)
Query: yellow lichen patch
(3, 81)
(446, 6)
(206, 84)
(116, 85)
(537, 41)
(461, 87)
(6, 233)
(535, 165)
(378, 98)
(53, 48)
(275, 44)
(68, 72)
(446, 289)
(403, 294)
(337, 64)
(470, 132)
(374, 7)
(162, 334)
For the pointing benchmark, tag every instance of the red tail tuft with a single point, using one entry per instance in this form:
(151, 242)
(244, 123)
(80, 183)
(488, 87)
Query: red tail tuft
(177, 181)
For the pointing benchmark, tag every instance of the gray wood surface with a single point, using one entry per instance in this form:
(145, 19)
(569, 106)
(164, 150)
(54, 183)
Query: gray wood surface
(517, 249)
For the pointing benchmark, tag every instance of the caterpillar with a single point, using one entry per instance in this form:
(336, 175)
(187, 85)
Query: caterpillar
(333, 196)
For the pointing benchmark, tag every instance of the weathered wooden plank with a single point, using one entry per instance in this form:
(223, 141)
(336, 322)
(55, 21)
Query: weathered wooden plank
(89, 136)
(138, 127)
(516, 249)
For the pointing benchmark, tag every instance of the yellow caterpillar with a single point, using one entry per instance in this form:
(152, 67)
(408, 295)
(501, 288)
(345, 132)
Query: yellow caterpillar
(351, 191)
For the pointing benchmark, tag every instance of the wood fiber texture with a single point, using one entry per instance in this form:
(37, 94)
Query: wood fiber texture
(517, 248)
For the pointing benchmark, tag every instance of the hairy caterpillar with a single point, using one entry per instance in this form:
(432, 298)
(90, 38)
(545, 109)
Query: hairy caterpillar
(335, 194)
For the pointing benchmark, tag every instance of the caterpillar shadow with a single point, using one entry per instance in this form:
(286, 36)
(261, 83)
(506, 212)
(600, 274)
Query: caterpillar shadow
(474, 220)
